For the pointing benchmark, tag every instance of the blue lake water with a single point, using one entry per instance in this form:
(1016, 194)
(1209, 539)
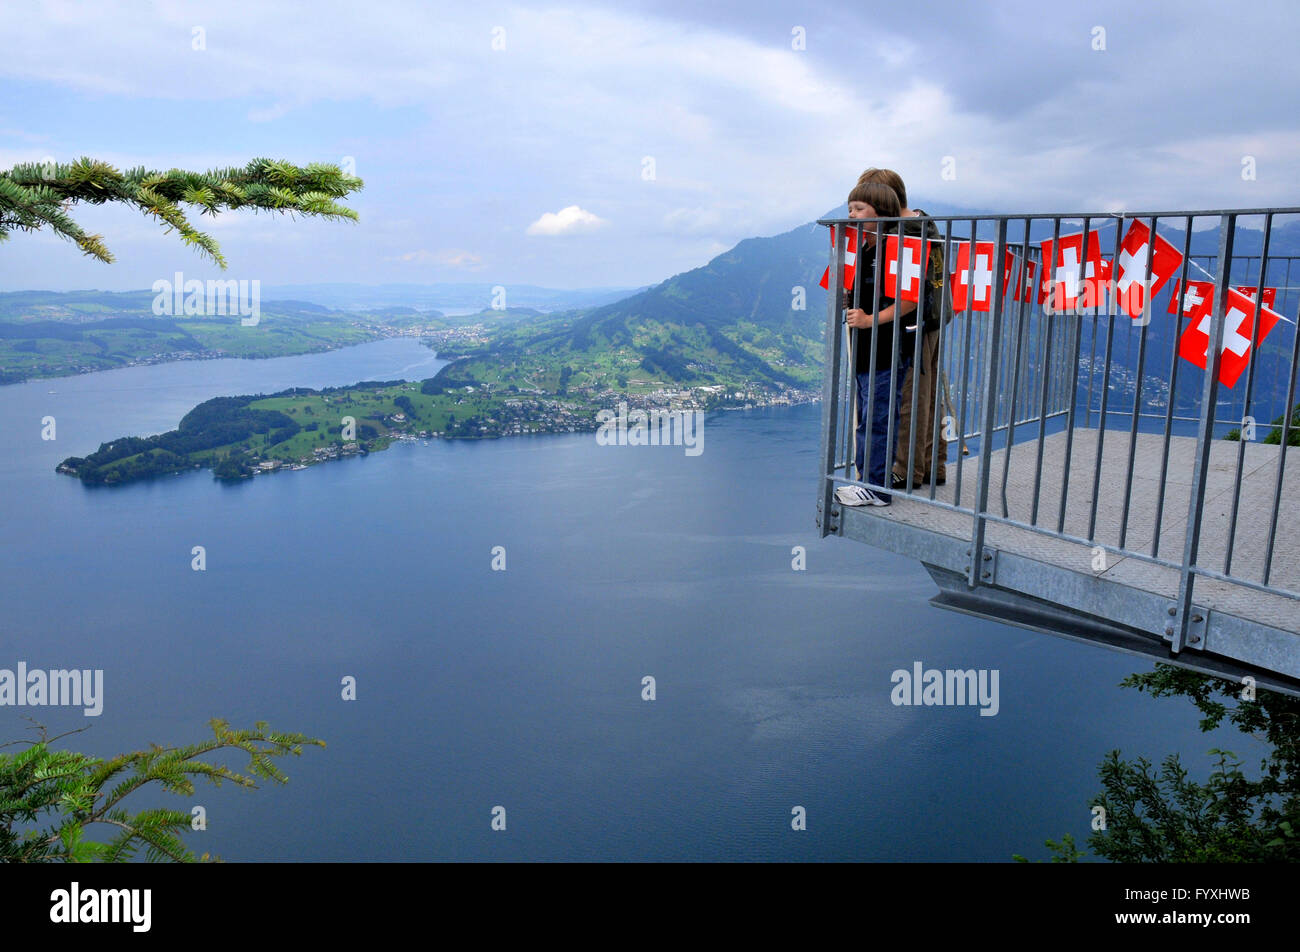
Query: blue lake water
(522, 688)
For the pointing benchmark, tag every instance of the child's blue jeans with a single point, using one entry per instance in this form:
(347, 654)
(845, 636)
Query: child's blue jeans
(882, 452)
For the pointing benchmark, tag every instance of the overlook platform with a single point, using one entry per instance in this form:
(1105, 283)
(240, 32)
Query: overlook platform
(1036, 578)
(1155, 535)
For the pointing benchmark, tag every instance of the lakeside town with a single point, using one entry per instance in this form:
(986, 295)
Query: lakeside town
(535, 413)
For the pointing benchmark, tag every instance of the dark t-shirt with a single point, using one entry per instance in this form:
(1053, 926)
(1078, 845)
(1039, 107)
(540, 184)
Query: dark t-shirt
(884, 333)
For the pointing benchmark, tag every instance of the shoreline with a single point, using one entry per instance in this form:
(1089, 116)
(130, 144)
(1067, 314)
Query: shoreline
(179, 357)
(255, 464)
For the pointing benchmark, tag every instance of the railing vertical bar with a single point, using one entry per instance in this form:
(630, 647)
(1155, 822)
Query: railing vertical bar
(1049, 359)
(1013, 390)
(981, 368)
(830, 398)
(1047, 274)
(1204, 435)
(1246, 397)
(849, 409)
(1173, 387)
(975, 566)
(917, 338)
(1282, 306)
(1060, 375)
(1287, 416)
(1092, 356)
(1141, 367)
(851, 371)
(1105, 402)
(877, 280)
(967, 333)
(945, 303)
(896, 343)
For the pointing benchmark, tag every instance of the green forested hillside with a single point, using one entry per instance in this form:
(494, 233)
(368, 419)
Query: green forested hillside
(735, 320)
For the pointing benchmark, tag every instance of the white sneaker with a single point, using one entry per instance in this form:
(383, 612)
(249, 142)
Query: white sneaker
(853, 496)
(857, 496)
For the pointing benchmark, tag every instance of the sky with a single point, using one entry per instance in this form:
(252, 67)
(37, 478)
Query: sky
(584, 145)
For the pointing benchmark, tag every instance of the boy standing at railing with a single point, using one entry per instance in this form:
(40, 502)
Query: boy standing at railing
(927, 394)
(867, 202)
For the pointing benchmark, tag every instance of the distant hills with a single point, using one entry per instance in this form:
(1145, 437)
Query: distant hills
(731, 319)
(752, 315)
(82, 307)
(350, 297)
(737, 316)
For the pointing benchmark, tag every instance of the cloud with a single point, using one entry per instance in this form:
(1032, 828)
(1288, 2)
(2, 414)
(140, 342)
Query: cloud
(567, 221)
(270, 113)
(22, 134)
(692, 221)
(451, 258)
(749, 135)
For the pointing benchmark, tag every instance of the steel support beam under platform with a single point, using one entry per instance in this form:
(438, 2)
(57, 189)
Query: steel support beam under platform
(1054, 598)
(1022, 611)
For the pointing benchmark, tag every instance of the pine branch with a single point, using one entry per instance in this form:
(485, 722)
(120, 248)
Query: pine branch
(71, 785)
(35, 196)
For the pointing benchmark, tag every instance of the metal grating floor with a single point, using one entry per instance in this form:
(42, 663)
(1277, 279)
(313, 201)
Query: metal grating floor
(1258, 480)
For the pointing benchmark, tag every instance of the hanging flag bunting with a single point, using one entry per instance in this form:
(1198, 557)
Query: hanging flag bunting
(1070, 268)
(850, 260)
(1131, 266)
(1096, 284)
(1024, 279)
(903, 272)
(1270, 294)
(982, 278)
(1196, 302)
(1238, 327)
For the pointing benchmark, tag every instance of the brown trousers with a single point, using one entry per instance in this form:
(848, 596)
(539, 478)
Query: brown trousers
(927, 398)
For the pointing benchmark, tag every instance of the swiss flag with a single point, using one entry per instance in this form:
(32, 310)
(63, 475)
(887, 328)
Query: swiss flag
(903, 273)
(850, 260)
(1238, 327)
(1070, 268)
(1024, 279)
(1131, 266)
(1095, 285)
(1197, 302)
(982, 297)
(1270, 294)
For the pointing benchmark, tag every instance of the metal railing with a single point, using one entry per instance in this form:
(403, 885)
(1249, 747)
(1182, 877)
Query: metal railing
(1025, 371)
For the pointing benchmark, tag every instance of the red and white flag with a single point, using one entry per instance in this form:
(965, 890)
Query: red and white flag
(1270, 294)
(903, 273)
(850, 260)
(1024, 278)
(1131, 267)
(1196, 302)
(1070, 268)
(1095, 289)
(1238, 327)
(982, 277)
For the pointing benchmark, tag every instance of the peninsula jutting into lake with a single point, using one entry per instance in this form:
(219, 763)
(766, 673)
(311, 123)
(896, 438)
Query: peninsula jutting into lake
(240, 437)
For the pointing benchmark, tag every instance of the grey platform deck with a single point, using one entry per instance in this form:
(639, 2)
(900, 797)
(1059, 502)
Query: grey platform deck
(1258, 477)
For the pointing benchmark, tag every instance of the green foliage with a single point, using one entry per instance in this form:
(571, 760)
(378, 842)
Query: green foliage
(214, 423)
(1274, 436)
(234, 466)
(48, 798)
(1062, 852)
(37, 195)
(1163, 816)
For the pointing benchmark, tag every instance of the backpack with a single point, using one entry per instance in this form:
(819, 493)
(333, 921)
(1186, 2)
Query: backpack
(938, 308)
